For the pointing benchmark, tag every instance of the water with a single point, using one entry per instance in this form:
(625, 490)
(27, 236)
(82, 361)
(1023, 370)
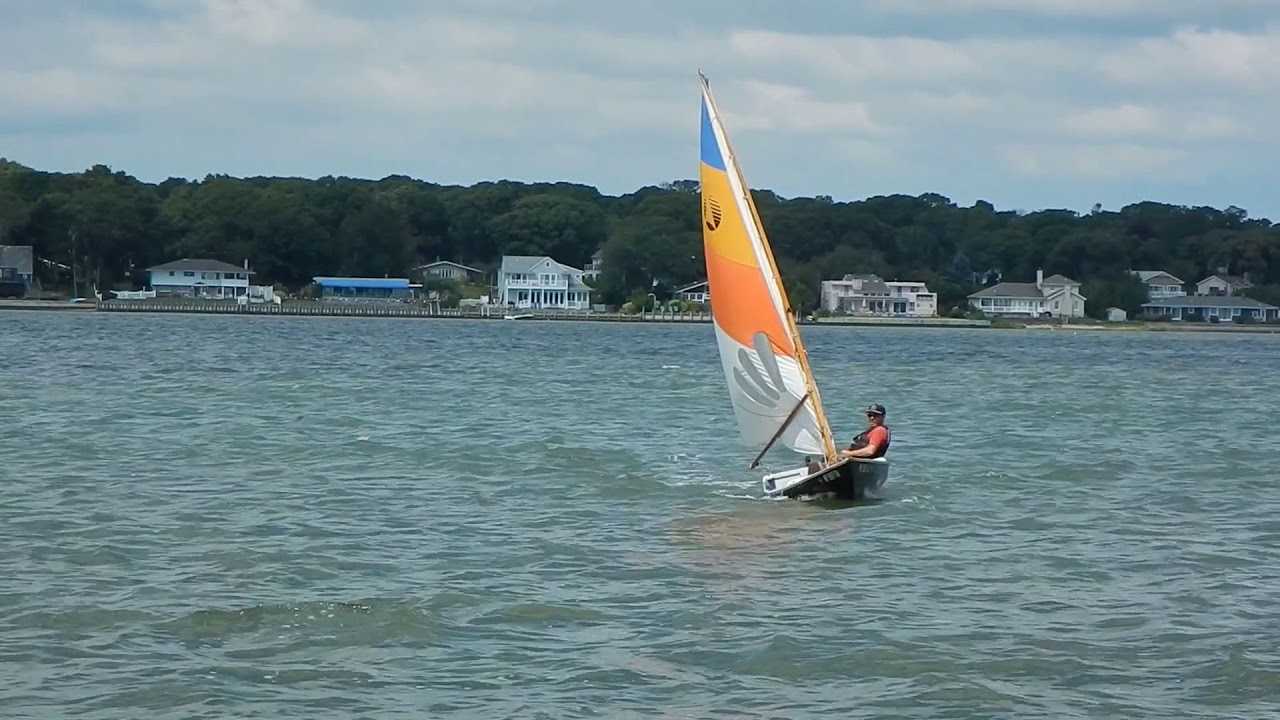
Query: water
(357, 518)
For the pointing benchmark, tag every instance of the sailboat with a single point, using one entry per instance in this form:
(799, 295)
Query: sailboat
(775, 397)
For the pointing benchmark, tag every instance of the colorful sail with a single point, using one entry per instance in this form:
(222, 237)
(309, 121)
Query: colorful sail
(775, 399)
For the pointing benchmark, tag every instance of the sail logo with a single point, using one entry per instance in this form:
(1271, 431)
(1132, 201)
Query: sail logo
(711, 213)
(764, 391)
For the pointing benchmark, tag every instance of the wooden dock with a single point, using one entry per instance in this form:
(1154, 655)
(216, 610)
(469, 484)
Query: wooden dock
(383, 310)
(329, 308)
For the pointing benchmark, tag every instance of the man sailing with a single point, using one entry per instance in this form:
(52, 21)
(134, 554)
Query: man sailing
(872, 442)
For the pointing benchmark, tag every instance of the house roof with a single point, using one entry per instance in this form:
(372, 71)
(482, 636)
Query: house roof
(1228, 279)
(199, 265)
(526, 263)
(1058, 280)
(871, 283)
(694, 286)
(438, 263)
(1161, 276)
(1210, 301)
(1030, 290)
(1010, 290)
(362, 283)
(17, 256)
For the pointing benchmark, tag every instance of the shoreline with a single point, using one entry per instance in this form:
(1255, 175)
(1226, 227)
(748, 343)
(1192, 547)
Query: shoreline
(397, 310)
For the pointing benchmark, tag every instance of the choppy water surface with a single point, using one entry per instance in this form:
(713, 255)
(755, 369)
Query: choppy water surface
(345, 518)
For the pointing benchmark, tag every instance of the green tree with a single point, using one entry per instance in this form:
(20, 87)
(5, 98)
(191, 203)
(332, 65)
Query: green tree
(102, 226)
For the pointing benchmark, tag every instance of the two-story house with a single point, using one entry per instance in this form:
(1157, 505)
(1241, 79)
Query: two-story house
(855, 295)
(912, 299)
(190, 277)
(538, 281)
(1221, 283)
(1054, 296)
(1160, 284)
(595, 266)
(870, 295)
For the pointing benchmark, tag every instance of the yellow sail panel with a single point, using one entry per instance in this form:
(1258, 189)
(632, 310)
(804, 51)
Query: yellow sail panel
(759, 349)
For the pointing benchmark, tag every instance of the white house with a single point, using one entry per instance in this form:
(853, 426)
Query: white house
(869, 295)
(593, 268)
(449, 270)
(698, 292)
(200, 278)
(1054, 296)
(1160, 284)
(912, 299)
(537, 281)
(855, 295)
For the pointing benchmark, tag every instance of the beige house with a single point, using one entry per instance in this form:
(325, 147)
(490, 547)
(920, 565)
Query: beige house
(1054, 296)
(1223, 284)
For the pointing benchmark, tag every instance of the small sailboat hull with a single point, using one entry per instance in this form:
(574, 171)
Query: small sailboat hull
(848, 479)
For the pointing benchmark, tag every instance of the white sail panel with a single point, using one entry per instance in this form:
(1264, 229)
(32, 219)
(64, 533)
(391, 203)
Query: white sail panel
(765, 388)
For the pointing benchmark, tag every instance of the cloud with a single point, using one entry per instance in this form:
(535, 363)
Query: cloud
(1097, 161)
(1016, 101)
(1200, 60)
(1150, 9)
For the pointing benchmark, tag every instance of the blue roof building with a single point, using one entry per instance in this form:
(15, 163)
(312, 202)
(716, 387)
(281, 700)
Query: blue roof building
(349, 288)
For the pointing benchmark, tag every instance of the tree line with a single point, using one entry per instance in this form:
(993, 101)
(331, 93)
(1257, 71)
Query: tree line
(103, 227)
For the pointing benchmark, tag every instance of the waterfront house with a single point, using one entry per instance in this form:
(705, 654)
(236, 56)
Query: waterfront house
(17, 270)
(540, 282)
(363, 288)
(1115, 314)
(1204, 307)
(913, 299)
(870, 295)
(1160, 284)
(20, 259)
(1223, 284)
(199, 277)
(698, 292)
(449, 270)
(593, 268)
(855, 295)
(1054, 296)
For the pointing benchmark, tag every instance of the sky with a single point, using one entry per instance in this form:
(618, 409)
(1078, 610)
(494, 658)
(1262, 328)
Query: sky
(1028, 104)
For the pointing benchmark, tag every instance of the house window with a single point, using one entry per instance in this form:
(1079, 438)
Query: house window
(189, 273)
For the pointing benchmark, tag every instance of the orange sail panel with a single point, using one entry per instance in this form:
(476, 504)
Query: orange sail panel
(764, 361)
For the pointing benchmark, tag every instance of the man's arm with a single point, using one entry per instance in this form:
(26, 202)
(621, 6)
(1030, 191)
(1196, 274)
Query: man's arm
(865, 451)
(873, 445)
